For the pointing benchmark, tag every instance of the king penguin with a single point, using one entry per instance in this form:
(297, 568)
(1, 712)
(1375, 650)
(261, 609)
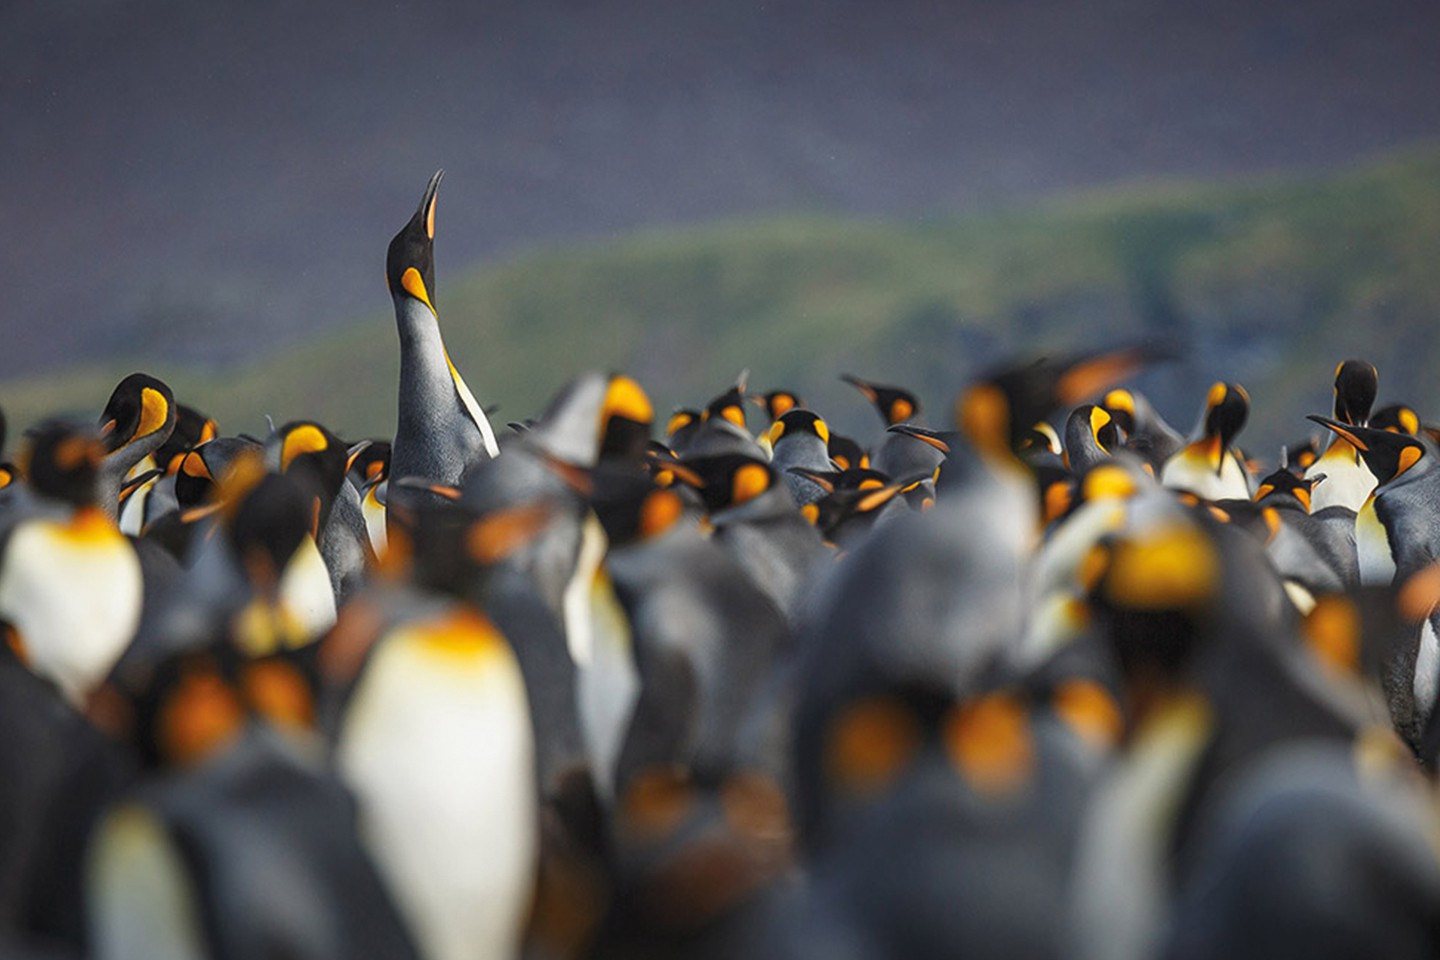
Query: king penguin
(1207, 466)
(441, 431)
(432, 732)
(139, 416)
(71, 585)
(1348, 481)
(800, 438)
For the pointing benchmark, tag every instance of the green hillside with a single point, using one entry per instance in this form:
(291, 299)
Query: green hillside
(1269, 283)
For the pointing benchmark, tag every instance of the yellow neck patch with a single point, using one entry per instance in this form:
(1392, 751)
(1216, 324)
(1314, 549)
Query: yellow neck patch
(199, 717)
(1090, 712)
(749, 481)
(1332, 632)
(870, 744)
(1175, 567)
(659, 512)
(656, 803)
(984, 416)
(989, 742)
(277, 692)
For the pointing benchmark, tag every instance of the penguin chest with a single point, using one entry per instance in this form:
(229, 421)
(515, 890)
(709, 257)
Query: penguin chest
(1425, 682)
(1348, 482)
(305, 589)
(437, 745)
(73, 591)
(1372, 547)
(1190, 470)
(133, 510)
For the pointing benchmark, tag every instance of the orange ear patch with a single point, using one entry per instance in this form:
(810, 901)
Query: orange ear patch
(989, 741)
(870, 744)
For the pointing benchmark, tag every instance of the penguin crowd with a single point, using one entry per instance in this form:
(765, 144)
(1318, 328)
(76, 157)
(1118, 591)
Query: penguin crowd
(1042, 676)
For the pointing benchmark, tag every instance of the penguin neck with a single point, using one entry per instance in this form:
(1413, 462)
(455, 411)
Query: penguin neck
(428, 399)
(116, 466)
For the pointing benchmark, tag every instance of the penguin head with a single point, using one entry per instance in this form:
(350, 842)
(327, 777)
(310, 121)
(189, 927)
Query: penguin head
(634, 507)
(266, 522)
(895, 404)
(846, 453)
(453, 550)
(140, 407)
(996, 410)
(318, 461)
(61, 461)
(732, 479)
(176, 710)
(1120, 404)
(1355, 384)
(728, 406)
(799, 422)
(1388, 455)
(1155, 591)
(410, 260)
(1119, 478)
(845, 512)
(1299, 457)
(681, 427)
(777, 403)
(370, 465)
(1039, 442)
(941, 440)
(625, 420)
(1227, 407)
(1090, 425)
(1284, 487)
(192, 428)
(1397, 418)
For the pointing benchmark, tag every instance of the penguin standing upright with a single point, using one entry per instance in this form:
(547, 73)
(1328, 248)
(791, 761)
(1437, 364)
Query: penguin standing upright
(1347, 480)
(1207, 466)
(71, 585)
(1397, 534)
(442, 430)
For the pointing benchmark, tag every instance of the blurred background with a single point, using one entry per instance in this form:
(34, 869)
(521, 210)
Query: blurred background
(907, 191)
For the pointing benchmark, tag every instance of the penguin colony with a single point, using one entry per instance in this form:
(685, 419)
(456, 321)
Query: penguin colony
(1052, 680)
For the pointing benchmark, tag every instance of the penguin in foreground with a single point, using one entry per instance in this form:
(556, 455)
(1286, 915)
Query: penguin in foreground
(234, 846)
(441, 431)
(432, 732)
(71, 586)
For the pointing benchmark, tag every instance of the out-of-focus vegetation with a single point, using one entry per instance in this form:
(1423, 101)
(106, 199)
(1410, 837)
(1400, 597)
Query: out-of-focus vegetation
(1268, 283)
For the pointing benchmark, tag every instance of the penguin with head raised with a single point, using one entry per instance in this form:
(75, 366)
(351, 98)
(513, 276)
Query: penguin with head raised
(441, 430)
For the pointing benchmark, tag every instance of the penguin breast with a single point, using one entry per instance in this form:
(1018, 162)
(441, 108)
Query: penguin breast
(437, 745)
(73, 590)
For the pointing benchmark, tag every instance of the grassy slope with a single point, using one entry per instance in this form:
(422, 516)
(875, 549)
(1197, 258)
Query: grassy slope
(1269, 283)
